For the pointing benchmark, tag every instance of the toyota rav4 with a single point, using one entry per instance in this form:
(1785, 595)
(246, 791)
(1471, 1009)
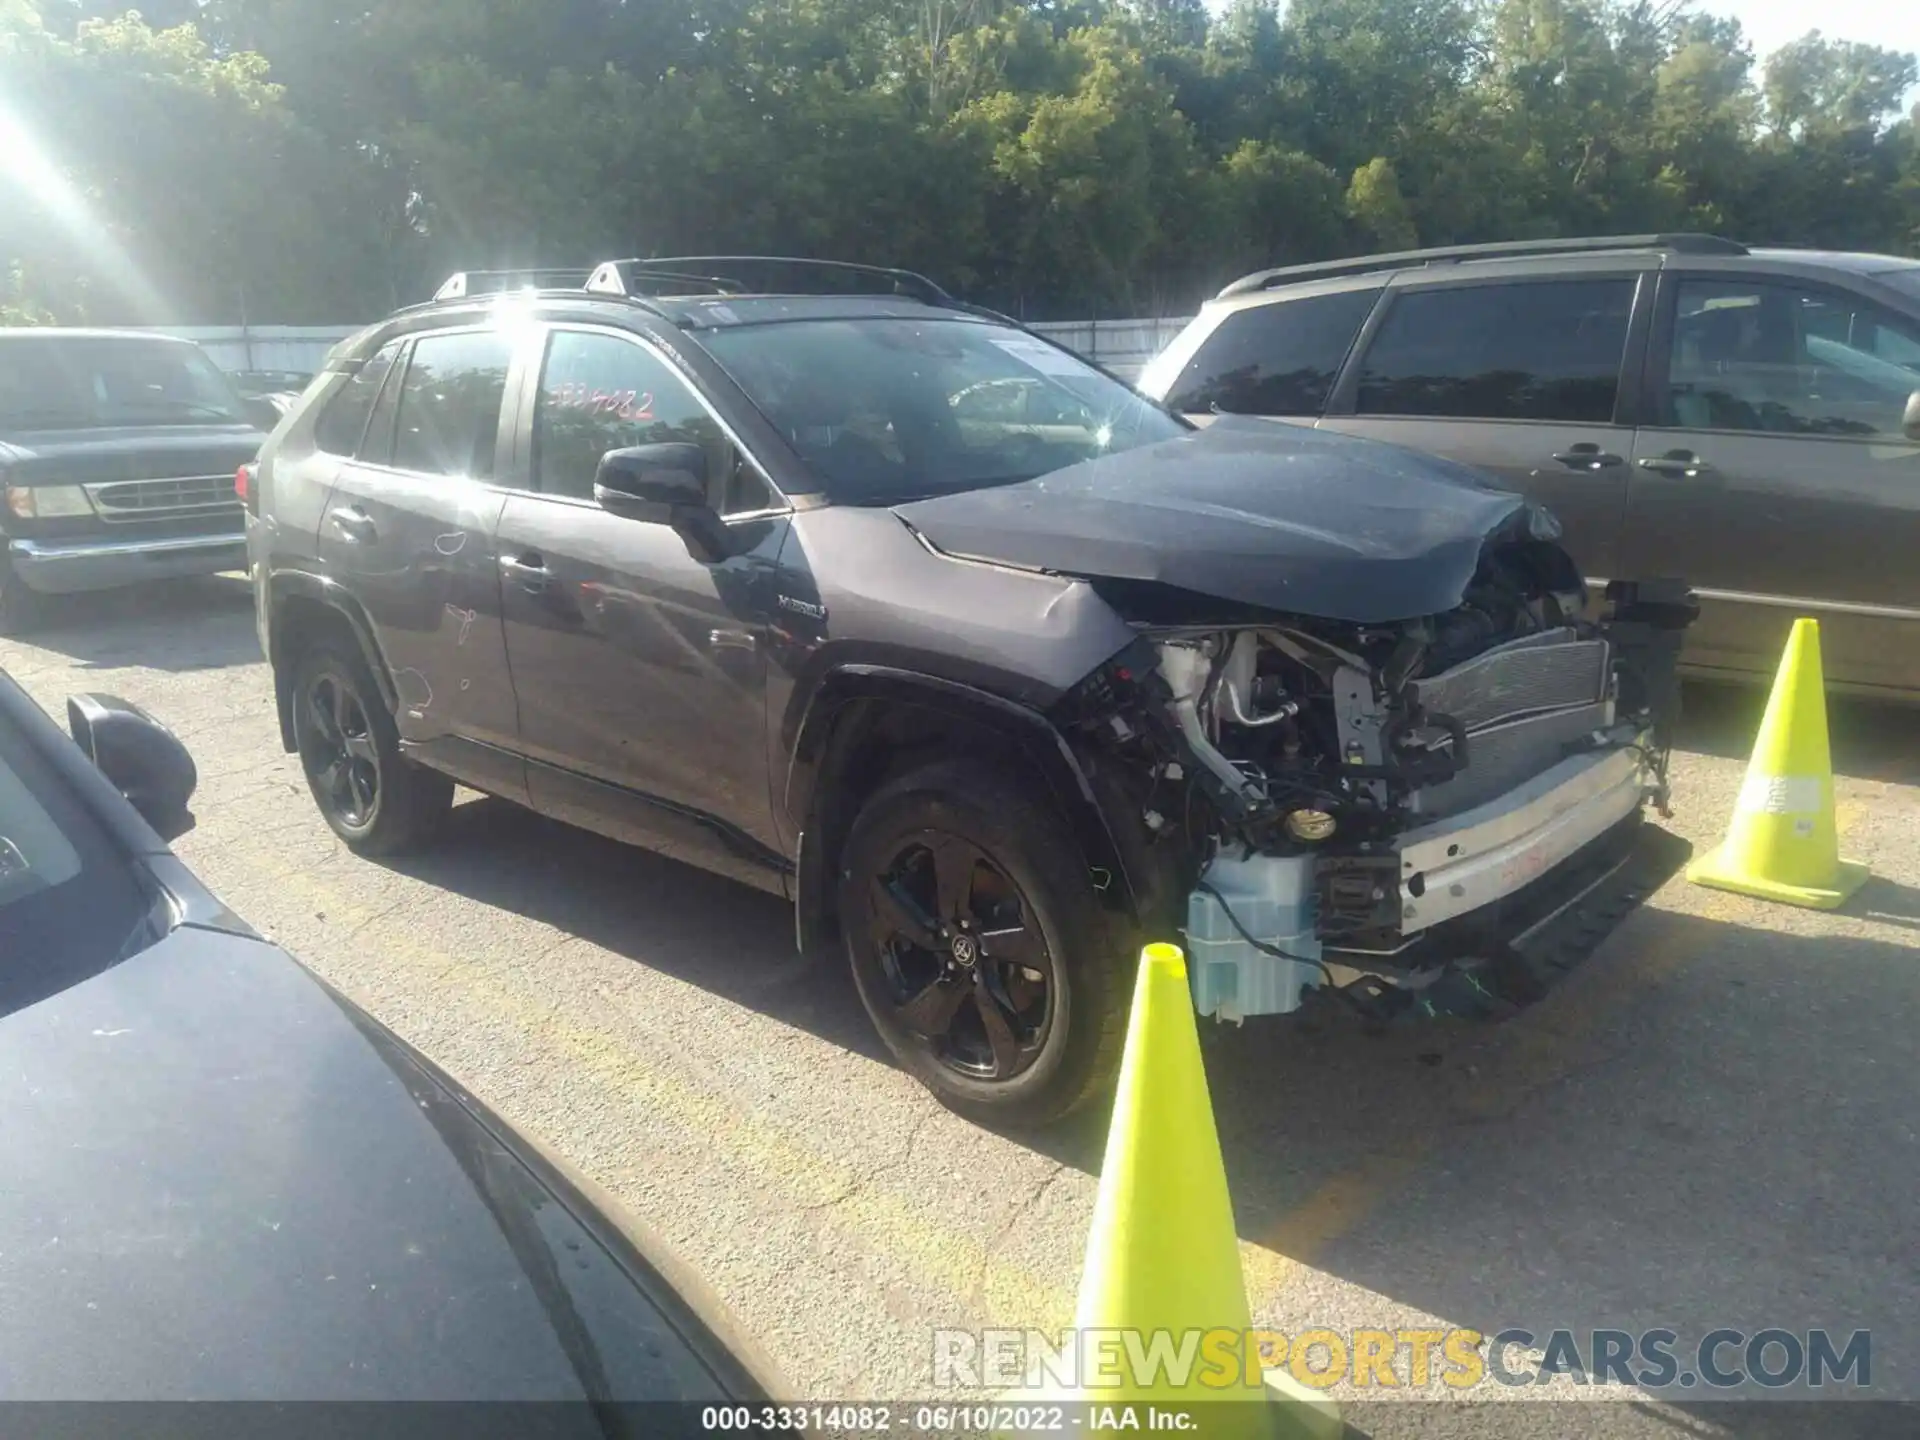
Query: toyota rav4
(817, 576)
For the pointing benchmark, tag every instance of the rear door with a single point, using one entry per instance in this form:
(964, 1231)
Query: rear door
(641, 671)
(1520, 376)
(1774, 475)
(408, 529)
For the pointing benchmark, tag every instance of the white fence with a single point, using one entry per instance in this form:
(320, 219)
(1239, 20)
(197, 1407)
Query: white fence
(265, 347)
(1123, 346)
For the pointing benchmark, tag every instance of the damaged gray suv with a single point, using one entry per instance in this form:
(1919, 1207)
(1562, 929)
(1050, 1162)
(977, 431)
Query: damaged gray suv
(818, 577)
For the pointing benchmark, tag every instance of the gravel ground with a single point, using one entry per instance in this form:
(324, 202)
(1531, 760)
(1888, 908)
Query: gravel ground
(1712, 1123)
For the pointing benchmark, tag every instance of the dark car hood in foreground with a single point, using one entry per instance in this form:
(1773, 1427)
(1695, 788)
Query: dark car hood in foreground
(1275, 516)
(222, 1182)
(91, 454)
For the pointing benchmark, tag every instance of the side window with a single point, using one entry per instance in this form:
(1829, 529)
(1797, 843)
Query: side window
(1544, 350)
(1278, 359)
(344, 421)
(1787, 360)
(602, 392)
(450, 404)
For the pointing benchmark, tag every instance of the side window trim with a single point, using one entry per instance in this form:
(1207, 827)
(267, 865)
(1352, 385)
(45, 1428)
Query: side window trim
(1345, 398)
(396, 376)
(1659, 367)
(527, 470)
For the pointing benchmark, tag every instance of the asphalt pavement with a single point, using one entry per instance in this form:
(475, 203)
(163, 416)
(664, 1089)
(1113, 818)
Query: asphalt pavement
(1710, 1124)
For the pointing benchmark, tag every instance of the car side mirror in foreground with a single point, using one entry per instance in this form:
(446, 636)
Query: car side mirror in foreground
(145, 761)
(664, 483)
(1910, 421)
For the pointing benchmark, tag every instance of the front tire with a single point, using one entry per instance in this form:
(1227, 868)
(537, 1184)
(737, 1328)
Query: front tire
(376, 800)
(980, 948)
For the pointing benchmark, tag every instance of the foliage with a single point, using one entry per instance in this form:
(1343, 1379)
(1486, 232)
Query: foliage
(316, 160)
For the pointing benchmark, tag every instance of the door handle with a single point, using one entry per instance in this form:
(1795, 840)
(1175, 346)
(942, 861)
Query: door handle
(529, 572)
(731, 640)
(1683, 463)
(355, 524)
(1587, 457)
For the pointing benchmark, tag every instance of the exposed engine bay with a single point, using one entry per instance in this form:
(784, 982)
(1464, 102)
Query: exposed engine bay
(1349, 806)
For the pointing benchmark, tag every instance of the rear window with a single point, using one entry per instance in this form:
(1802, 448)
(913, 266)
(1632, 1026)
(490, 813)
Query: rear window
(1538, 351)
(344, 421)
(1278, 359)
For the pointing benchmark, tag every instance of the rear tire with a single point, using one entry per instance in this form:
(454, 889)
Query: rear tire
(980, 948)
(375, 799)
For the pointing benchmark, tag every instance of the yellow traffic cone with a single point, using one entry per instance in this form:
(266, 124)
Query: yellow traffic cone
(1782, 844)
(1163, 1257)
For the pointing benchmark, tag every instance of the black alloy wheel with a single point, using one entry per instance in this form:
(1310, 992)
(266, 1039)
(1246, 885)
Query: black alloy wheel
(339, 751)
(371, 796)
(980, 946)
(968, 969)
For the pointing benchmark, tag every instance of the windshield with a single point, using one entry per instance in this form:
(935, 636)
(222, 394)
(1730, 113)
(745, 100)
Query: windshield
(1907, 279)
(77, 382)
(885, 410)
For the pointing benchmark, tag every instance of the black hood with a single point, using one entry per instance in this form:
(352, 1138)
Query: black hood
(94, 454)
(1274, 516)
(224, 1182)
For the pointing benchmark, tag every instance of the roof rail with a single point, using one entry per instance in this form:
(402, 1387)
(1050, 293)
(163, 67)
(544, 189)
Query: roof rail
(631, 277)
(1682, 243)
(463, 283)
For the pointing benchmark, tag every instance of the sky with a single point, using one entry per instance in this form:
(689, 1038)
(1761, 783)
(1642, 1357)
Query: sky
(1772, 23)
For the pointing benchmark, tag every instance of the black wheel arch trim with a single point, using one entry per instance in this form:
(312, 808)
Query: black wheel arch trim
(1038, 739)
(283, 585)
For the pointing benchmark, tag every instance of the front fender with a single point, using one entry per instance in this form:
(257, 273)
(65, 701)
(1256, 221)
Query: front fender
(844, 704)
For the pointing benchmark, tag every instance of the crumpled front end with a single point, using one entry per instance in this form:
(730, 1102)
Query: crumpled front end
(1395, 812)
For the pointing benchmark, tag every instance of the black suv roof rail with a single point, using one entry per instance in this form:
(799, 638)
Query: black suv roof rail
(464, 283)
(634, 277)
(1682, 243)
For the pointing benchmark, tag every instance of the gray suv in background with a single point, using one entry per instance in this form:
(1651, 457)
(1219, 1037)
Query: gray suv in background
(1684, 404)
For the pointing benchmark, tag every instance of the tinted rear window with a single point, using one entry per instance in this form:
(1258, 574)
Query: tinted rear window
(1540, 351)
(1277, 359)
(344, 421)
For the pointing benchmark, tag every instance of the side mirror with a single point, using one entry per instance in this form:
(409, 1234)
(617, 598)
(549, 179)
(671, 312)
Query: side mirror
(145, 761)
(664, 483)
(1910, 421)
